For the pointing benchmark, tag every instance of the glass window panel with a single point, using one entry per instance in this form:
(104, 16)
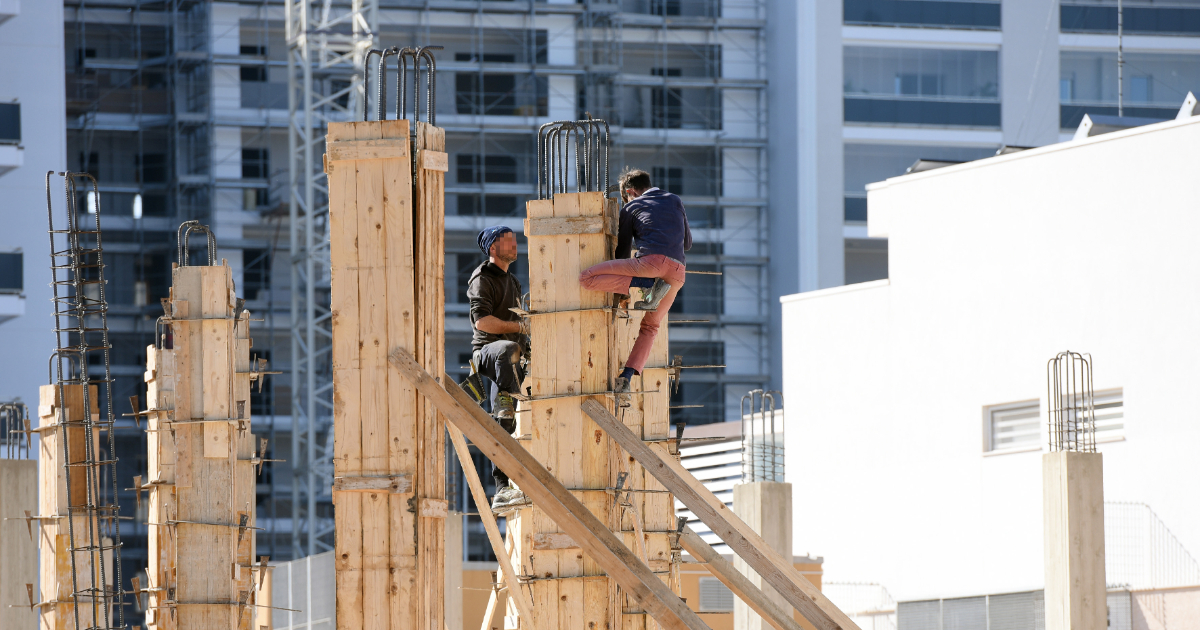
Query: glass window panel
(970, 14)
(921, 73)
(1161, 80)
(867, 163)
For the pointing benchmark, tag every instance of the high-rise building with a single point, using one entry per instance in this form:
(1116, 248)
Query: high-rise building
(878, 84)
(181, 109)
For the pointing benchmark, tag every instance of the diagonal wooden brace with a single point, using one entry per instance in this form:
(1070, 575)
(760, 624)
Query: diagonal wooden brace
(733, 579)
(551, 496)
(744, 541)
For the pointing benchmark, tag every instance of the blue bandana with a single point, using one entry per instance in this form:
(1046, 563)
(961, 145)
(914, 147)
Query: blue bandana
(489, 236)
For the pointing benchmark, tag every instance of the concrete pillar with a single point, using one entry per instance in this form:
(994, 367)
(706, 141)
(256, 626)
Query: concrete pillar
(766, 506)
(454, 571)
(18, 554)
(1073, 500)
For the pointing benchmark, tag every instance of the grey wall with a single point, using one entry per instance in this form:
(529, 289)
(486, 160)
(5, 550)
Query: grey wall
(1029, 72)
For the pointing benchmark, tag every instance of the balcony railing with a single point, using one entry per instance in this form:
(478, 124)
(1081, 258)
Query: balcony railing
(923, 13)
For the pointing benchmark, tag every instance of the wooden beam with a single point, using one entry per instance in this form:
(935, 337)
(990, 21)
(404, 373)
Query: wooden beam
(733, 579)
(489, 525)
(555, 500)
(555, 226)
(743, 540)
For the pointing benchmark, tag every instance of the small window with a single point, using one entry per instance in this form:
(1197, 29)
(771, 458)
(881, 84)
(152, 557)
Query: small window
(1013, 426)
(1109, 408)
(715, 596)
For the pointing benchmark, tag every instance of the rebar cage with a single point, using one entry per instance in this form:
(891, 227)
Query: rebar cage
(762, 437)
(81, 339)
(1072, 410)
(14, 430)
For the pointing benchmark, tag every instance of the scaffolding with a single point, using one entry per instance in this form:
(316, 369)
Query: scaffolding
(327, 45)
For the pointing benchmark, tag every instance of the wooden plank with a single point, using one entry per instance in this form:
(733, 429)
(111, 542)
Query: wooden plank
(553, 540)
(515, 592)
(555, 226)
(375, 149)
(431, 160)
(733, 579)
(392, 484)
(743, 540)
(551, 496)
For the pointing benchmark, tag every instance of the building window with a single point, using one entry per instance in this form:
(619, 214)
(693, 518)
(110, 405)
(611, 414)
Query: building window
(1155, 84)
(922, 86)
(702, 294)
(1013, 426)
(152, 167)
(1109, 412)
(668, 178)
(715, 596)
(256, 273)
(1095, 17)
(490, 169)
(489, 205)
(868, 163)
(927, 13)
(255, 163)
(496, 94)
(10, 123)
(12, 272)
(253, 74)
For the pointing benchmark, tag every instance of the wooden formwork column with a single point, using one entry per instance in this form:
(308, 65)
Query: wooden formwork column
(201, 460)
(574, 354)
(387, 255)
(57, 609)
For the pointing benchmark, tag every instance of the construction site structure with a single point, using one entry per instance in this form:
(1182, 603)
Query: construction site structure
(386, 221)
(202, 459)
(78, 526)
(18, 501)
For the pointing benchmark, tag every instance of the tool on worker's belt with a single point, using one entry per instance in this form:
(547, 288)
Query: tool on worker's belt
(590, 141)
(403, 55)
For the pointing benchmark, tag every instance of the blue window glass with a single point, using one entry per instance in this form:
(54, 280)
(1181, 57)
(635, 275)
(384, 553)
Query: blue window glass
(921, 86)
(10, 123)
(925, 13)
(1095, 18)
(1155, 84)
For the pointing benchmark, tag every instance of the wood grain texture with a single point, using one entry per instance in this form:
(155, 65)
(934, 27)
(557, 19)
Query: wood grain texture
(387, 255)
(742, 540)
(201, 483)
(547, 492)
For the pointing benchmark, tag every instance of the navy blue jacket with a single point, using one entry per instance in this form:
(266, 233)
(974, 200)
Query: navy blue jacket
(659, 223)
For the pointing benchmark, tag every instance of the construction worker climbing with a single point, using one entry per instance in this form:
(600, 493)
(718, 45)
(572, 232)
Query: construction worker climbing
(500, 338)
(657, 220)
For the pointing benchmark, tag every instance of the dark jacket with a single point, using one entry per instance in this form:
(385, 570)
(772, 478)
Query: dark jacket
(659, 223)
(493, 291)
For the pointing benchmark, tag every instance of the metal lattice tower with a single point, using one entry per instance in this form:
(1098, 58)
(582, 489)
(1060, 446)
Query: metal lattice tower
(327, 44)
(81, 332)
(1072, 412)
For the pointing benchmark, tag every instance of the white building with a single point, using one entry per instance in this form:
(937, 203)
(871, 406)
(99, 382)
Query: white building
(32, 141)
(918, 410)
(881, 83)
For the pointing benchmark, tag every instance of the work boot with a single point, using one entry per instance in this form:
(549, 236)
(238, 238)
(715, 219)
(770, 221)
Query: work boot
(506, 408)
(653, 296)
(507, 499)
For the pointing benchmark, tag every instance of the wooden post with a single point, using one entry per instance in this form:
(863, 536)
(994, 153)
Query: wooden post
(55, 606)
(1073, 498)
(200, 460)
(387, 254)
(18, 547)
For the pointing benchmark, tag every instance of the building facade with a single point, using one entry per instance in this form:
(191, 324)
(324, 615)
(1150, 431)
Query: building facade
(880, 84)
(924, 404)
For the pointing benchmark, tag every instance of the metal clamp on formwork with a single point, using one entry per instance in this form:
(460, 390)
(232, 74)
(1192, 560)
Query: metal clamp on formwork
(590, 141)
(403, 55)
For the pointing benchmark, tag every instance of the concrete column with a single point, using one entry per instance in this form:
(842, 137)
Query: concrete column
(766, 506)
(454, 571)
(1073, 500)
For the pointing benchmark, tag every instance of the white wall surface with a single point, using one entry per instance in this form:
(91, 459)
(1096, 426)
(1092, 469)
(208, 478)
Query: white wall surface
(31, 45)
(995, 266)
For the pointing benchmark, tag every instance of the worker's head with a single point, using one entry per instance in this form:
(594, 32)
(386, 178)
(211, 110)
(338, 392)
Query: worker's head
(498, 243)
(633, 183)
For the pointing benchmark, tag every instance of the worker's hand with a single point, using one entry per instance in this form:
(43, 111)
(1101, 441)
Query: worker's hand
(524, 323)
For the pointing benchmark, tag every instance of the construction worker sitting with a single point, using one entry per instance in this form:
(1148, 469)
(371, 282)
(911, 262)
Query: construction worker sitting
(500, 338)
(658, 222)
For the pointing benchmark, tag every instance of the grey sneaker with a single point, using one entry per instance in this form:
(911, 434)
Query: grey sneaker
(508, 499)
(653, 296)
(506, 407)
